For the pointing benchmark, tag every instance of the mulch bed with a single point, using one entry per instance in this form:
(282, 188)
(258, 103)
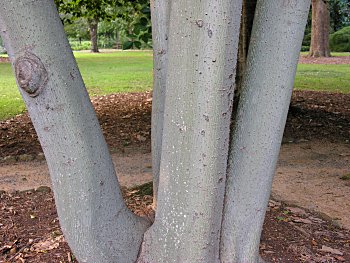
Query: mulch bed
(329, 60)
(126, 122)
(4, 59)
(30, 232)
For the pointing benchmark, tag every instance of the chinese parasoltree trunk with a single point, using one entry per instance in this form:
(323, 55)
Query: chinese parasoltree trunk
(213, 178)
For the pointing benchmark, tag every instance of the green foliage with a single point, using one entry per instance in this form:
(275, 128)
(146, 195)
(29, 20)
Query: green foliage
(305, 48)
(89, 9)
(345, 177)
(144, 189)
(340, 40)
(130, 20)
(78, 29)
(339, 13)
(139, 30)
(77, 45)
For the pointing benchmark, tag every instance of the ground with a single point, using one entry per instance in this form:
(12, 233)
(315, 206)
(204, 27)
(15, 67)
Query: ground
(314, 157)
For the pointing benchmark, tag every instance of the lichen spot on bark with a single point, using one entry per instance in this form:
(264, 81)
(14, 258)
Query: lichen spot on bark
(30, 73)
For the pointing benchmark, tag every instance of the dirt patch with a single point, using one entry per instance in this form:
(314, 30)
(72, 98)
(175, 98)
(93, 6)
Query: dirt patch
(329, 60)
(308, 175)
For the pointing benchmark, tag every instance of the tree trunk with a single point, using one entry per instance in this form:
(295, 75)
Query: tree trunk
(92, 213)
(160, 13)
(93, 25)
(202, 53)
(320, 29)
(267, 87)
(117, 39)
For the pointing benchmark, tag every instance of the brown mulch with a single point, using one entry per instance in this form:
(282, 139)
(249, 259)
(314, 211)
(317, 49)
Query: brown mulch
(126, 121)
(324, 60)
(30, 232)
(4, 59)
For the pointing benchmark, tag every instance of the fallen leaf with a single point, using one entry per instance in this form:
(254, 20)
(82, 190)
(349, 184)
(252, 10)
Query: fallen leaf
(301, 220)
(331, 250)
(47, 244)
(297, 211)
(340, 258)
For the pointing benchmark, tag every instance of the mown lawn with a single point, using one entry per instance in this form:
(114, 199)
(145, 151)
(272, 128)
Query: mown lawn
(103, 73)
(333, 78)
(131, 71)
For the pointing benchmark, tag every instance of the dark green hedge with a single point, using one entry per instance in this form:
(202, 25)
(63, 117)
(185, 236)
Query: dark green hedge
(340, 41)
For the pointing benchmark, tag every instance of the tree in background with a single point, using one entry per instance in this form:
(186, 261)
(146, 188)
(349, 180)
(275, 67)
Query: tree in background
(93, 11)
(215, 176)
(319, 46)
(129, 18)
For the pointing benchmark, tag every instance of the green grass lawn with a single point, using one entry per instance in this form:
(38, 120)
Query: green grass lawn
(333, 78)
(131, 71)
(103, 73)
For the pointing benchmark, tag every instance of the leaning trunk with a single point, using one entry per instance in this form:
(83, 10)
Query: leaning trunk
(267, 87)
(94, 219)
(93, 25)
(320, 29)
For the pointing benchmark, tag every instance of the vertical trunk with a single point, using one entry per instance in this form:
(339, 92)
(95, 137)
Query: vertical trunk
(93, 216)
(117, 40)
(93, 25)
(320, 29)
(267, 86)
(160, 11)
(203, 39)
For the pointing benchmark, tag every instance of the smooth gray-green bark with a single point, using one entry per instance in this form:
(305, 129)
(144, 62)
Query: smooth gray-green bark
(93, 216)
(203, 40)
(160, 11)
(267, 87)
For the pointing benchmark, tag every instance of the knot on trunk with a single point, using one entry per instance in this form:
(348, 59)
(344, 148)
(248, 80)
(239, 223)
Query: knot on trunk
(30, 73)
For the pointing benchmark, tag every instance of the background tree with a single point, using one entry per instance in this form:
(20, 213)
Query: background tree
(93, 11)
(319, 46)
(211, 198)
(130, 18)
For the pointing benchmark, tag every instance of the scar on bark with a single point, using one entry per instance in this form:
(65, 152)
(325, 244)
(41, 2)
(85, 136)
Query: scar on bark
(31, 74)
